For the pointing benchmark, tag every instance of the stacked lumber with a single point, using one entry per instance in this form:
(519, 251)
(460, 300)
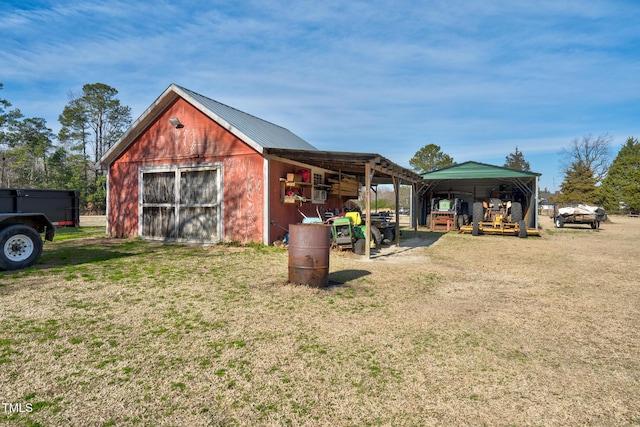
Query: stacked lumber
(344, 186)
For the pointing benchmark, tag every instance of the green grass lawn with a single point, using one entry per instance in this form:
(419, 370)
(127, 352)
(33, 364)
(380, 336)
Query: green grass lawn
(67, 233)
(111, 332)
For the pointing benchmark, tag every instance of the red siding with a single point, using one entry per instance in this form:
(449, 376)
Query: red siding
(201, 140)
(286, 214)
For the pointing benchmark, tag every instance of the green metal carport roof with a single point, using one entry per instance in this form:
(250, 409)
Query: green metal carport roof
(476, 170)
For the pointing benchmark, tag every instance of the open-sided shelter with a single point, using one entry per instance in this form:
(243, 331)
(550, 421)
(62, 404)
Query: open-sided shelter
(195, 170)
(476, 182)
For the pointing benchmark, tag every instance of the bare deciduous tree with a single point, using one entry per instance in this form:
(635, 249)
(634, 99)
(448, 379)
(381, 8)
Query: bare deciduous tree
(593, 153)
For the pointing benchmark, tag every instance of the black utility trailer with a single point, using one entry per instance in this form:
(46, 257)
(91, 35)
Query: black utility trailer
(27, 213)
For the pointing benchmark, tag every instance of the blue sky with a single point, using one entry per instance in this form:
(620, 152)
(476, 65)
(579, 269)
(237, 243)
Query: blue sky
(477, 78)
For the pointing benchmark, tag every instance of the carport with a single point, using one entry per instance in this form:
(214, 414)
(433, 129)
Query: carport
(475, 182)
(370, 169)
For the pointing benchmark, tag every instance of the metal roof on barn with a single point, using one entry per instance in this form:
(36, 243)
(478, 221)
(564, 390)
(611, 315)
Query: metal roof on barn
(262, 132)
(265, 137)
(476, 170)
(256, 132)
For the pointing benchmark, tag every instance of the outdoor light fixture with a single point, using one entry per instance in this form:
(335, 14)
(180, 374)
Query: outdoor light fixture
(176, 122)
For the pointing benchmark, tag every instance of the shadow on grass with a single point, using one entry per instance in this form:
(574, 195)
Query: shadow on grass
(409, 241)
(68, 233)
(339, 278)
(72, 252)
(411, 237)
(75, 256)
(57, 257)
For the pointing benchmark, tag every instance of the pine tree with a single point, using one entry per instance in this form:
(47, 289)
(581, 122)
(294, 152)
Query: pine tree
(579, 185)
(91, 123)
(621, 187)
(517, 162)
(8, 122)
(429, 158)
(29, 145)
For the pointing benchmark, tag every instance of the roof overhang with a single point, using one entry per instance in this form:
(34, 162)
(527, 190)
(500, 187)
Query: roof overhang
(384, 170)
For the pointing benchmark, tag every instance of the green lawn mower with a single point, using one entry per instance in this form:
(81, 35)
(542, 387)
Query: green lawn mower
(349, 233)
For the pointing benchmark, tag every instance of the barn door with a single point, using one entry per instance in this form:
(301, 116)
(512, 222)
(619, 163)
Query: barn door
(181, 204)
(198, 208)
(158, 213)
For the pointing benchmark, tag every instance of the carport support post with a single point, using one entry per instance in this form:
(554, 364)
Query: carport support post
(414, 203)
(367, 198)
(537, 199)
(396, 189)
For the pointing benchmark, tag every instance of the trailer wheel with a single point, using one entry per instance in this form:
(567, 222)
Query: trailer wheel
(559, 222)
(20, 247)
(522, 229)
(359, 246)
(478, 215)
(516, 212)
(595, 225)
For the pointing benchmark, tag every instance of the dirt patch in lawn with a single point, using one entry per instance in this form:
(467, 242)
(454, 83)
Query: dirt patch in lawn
(93, 221)
(410, 249)
(446, 329)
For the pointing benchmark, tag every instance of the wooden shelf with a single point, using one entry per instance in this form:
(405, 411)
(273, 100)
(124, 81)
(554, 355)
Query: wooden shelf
(294, 200)
(295, 184)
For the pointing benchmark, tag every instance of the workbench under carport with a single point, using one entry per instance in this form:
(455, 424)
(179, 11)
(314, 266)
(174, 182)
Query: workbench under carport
(368, 168)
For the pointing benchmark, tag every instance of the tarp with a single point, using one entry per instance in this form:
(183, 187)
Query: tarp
(578, 210)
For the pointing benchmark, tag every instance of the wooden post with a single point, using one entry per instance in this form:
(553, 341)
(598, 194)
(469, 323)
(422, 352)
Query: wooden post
(414, 217)
(367, 198)
(396, 188)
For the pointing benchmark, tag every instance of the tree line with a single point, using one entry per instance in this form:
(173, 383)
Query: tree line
(590, 177)
(34, 157)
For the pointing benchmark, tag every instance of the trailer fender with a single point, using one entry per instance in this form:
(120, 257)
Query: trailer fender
(37, 221)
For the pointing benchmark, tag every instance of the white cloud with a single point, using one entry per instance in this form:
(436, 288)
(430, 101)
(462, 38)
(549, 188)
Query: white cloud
(389, 77)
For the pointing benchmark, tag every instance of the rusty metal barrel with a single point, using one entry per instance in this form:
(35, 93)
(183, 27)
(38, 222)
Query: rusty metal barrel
(309, 247)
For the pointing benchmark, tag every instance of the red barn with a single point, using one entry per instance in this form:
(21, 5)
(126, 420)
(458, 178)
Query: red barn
(191, 169)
